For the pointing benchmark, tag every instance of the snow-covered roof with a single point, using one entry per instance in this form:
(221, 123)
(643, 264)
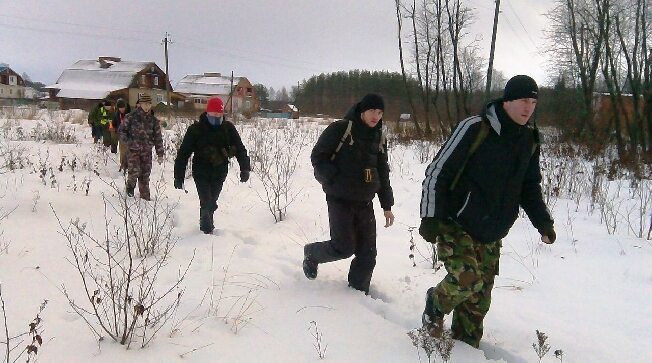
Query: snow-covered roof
(88, 80)
(205, 84)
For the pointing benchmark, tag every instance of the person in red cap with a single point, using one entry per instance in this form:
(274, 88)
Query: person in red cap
(214, 141)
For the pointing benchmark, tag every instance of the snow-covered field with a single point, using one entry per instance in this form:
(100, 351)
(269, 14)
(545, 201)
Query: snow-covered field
(589, 292)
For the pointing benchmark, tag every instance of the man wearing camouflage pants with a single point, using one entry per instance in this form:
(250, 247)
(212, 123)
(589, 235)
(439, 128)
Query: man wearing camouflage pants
(470, 200)
(141, 131)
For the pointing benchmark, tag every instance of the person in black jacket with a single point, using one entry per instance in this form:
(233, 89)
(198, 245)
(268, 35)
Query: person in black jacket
(118, 118)
(470, 199)
(213, 140)
(352, 168)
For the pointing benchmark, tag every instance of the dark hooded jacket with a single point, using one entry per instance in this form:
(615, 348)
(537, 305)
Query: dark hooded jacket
(360, 169)
(212, 146)
(501, 175)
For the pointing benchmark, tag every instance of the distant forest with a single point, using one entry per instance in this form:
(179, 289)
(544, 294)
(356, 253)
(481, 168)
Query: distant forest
(333, 94)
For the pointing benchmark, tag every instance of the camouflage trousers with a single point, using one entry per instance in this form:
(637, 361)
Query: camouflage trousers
(466, 290)
(140, 166)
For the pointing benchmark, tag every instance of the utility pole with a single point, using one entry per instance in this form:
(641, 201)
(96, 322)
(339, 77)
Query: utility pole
(166, 40)
(487, 90)
(231, 95)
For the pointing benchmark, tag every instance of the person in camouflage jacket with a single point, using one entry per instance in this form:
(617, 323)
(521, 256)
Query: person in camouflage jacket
(141, 131)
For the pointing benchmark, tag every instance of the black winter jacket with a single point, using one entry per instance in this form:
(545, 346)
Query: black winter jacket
(360, 169)
(212, 146)
(502, 174)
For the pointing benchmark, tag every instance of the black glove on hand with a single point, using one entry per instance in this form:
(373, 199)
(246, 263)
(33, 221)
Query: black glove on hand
(178, 184)
(244, 176)
(432, 227)
(549, 231)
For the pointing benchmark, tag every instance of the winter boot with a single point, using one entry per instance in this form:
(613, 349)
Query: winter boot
(205, 224)
(432, 319)
(130, 191)
(309, 265)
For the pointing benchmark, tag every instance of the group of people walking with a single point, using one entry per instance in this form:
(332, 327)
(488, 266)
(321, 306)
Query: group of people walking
(471, 194)
(135, 132)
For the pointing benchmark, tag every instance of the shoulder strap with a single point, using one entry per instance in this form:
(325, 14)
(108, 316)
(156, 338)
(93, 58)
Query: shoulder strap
(346, 134)
(482, 134)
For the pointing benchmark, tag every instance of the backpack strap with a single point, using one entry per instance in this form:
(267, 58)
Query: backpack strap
(346, 134)
(482, 134)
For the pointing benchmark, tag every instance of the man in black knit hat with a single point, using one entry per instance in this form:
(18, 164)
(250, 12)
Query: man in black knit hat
(471, 195)
(350, 162)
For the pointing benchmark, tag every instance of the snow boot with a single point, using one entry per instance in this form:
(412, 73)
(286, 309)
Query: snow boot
(309, 265)
(432, 319)
(205, 224)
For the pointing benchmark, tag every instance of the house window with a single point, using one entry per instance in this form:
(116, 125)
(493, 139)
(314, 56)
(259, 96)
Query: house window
(11, 91)
(156, 81)
(12, 80)
(159, 98)
(197, 100)
(143, 79)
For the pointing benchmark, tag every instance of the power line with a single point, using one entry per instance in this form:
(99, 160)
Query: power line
(520, 22)
(86, 35)
(215, 49)
(91, 26)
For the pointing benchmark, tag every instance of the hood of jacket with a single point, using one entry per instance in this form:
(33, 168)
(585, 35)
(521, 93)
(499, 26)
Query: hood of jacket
(500, 120)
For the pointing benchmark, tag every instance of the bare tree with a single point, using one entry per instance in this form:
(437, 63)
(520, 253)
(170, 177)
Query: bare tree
(405, 80)
(576, 41)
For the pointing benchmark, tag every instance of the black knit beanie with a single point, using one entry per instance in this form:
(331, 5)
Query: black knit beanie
(372, 101)
(520, 86)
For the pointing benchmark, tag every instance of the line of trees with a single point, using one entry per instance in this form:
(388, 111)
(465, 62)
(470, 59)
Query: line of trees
(435, 50)
(602, 46)
(333, 94)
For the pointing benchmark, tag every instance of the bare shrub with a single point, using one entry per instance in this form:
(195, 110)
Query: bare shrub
(274, 155)
(120, 282)
(319, 345)
(13, 157)
(59, 132)
(15, 341)
(540, 346)
(236, 301)
(4, 244)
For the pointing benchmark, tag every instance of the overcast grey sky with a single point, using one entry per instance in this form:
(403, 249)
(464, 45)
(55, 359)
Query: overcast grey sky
(272, 42)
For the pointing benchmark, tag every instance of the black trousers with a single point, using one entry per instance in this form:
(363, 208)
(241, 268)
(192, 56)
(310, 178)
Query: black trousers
(353, 232)
(209, 191)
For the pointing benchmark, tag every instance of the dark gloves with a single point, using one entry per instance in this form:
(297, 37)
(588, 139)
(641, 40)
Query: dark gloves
(244, 176)
(431, 228)
(548, 231)
(178, 184)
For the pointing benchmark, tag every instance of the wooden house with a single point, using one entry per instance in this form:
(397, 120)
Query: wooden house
(239, 95)
(86, 82)
(12, 84)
